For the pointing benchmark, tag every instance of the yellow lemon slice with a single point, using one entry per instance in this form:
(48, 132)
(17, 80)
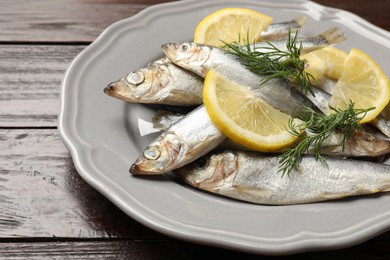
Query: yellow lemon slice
(244, 118)
(325, 62)
(231, 24)
(363, 82)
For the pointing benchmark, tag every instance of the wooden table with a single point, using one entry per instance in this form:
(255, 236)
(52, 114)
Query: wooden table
(46, 209)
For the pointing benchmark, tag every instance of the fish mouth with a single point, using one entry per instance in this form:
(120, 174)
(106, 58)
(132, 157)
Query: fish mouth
(142, 167)
(110, 89)
(114, 90)
(117, 89)
(136, 170)
(170, 49)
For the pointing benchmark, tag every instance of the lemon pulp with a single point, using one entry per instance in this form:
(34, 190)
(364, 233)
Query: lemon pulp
(363, 82)
(245, 118)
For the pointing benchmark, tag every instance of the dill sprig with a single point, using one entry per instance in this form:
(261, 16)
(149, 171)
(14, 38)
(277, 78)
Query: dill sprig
(320, 127)
(273, 63)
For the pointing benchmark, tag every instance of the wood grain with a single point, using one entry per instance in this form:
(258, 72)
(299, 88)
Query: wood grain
(136, 249)
(47, 211)
(42, 195)
(63, 20)
(84, 20)
(30, 83)
(122, 249)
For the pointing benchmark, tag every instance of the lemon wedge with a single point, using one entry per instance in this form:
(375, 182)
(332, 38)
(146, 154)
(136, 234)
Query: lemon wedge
(363, 82)
(231, 24)
(244, 118)
(325, 62)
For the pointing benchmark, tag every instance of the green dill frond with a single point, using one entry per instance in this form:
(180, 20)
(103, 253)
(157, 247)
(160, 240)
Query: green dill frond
(319, 128)
(270, 62)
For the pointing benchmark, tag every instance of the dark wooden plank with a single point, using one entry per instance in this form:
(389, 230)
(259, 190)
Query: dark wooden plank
(84, 20)
(42, 195)
(168, 249)
(375, 11)
(63, 20)
(123, 249)
(30, 83)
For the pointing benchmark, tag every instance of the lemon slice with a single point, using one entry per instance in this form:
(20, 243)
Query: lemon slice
(325, 62)
(244, 118)
(231, 24)
(363, 82)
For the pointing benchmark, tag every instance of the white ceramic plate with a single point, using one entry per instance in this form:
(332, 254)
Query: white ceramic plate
(103, 137)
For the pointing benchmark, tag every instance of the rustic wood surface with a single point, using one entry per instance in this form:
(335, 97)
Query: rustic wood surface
(46, 210)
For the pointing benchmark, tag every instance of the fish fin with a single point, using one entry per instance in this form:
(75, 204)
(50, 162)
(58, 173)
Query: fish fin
(163, 119)
(333, 36)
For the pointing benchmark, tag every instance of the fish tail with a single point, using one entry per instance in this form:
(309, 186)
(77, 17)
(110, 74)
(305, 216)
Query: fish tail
(333, 36)
(300, 21)
(382, 124)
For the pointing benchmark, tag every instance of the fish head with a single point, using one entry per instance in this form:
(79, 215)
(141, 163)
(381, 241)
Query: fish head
(142, 86)
(188, 55)
(365, 144)
(160, 156)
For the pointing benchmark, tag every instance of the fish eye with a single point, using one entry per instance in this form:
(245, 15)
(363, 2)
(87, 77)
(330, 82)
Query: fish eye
(153, 153)
(202, 163)
(135, 78)
(185, 46)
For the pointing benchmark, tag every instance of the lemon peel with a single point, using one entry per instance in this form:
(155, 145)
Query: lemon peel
(231, 24)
